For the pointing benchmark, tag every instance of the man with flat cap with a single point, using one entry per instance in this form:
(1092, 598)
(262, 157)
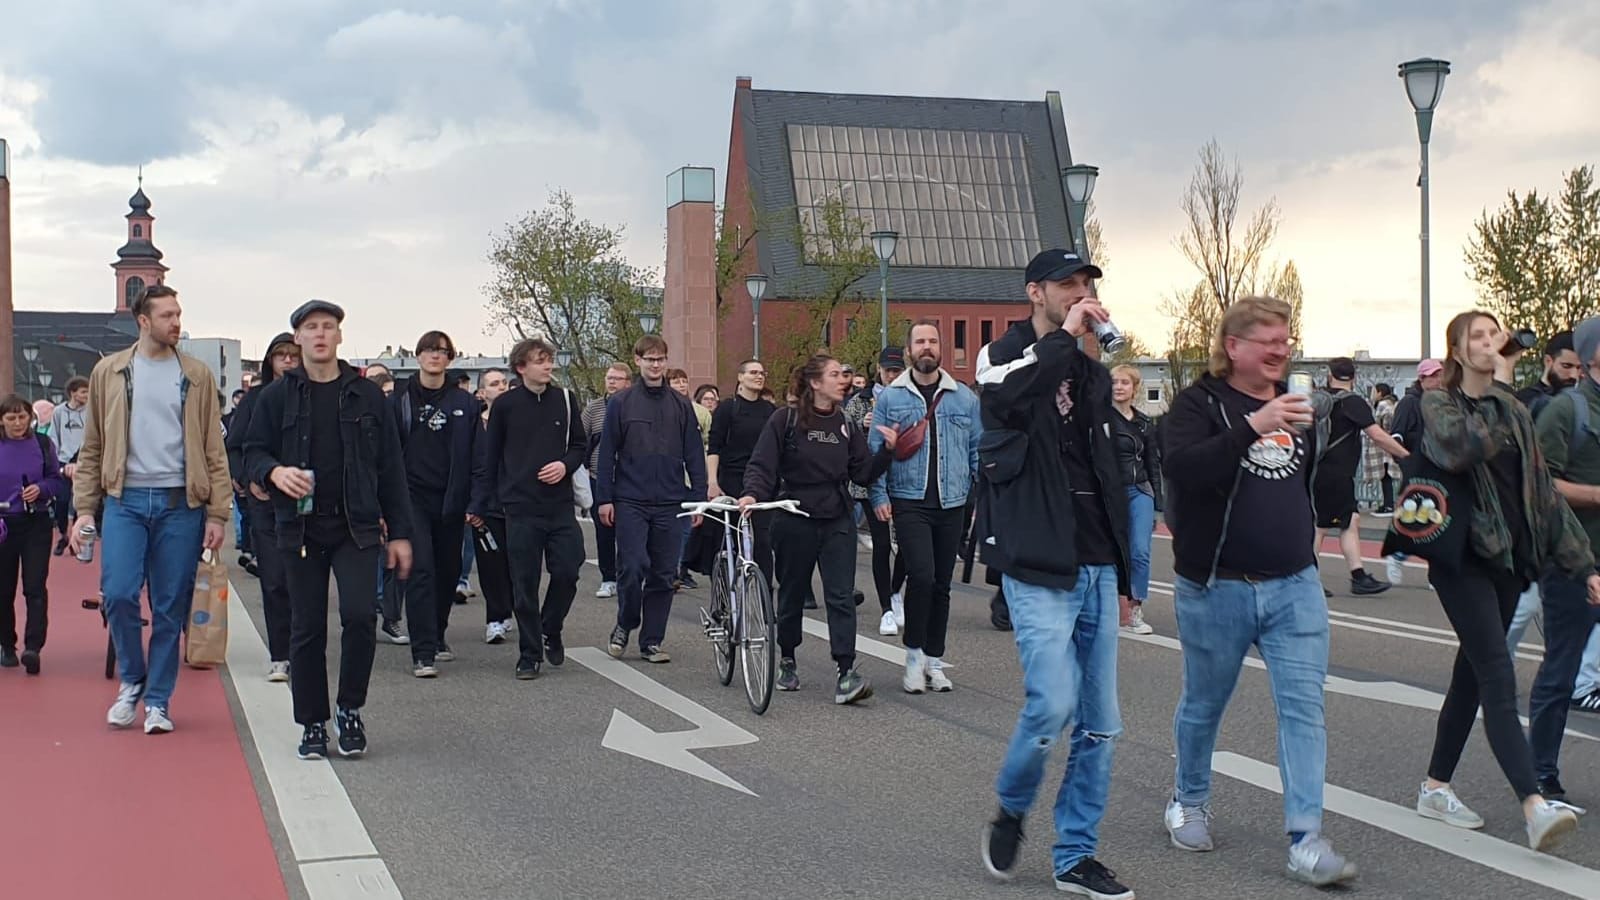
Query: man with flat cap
(323, 442)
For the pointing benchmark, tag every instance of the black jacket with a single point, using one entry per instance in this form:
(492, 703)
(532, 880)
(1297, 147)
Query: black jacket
(260, 511)
(1406, 426)
(526, 432)
(1138, 452)
(1027, 521)
(461, 413)
(374, 467)
(1206, 446)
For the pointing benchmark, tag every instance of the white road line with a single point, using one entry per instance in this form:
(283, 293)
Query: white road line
(1491, 852)
(889, 653)
(330, 845)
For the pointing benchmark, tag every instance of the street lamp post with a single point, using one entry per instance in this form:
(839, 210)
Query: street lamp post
(30, 353)
(1078, 181)
(1424, 80)
(649, 321)
(563, 360)
(883, 244)
(755, 284)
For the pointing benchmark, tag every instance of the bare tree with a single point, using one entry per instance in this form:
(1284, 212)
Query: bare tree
(1227, 257)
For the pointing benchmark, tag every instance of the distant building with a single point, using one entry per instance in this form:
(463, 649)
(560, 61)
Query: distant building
(405, 366)
(221, 356)
(1397, 373)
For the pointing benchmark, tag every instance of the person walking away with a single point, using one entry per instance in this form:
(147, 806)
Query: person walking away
(438, 423)
(152, 452)
(1379, 467)
(925, 493)
(1139, 460)
(736, 425)
(1406, 428)
(1518, 527)
(67, 431)
(888, 567)
(1572, 454)
(806, 453)
(489, 538)
(30, 479)
(282, 355)
(617, 377)
(650, 449)
(1241, 453)
(1054, 522)
(323, 438)
(535, 443)
(1334, 488)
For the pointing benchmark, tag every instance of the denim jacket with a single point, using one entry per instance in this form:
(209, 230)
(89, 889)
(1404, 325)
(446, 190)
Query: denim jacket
(901, 406)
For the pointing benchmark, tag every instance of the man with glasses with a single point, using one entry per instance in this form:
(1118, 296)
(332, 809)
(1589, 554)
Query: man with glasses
(650, 442)
(618, 376)
(438, 425)
(735, 426)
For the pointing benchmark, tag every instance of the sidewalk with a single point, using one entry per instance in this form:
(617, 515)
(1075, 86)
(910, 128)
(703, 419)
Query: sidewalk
(91, 811)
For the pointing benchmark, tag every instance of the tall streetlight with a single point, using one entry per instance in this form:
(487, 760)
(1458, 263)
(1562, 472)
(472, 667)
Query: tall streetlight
(755, 284)
(30, 353)
(1424, 80)
(649, 321)
(563, 360)
(1078, 180)
(883, 244)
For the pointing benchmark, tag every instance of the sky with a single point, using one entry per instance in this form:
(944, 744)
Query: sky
(365, 151)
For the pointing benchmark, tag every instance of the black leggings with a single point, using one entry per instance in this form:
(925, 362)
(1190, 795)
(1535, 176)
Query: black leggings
(1479, 602)
(887, 580)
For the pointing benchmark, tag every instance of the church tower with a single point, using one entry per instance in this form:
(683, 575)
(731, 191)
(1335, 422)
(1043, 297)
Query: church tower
(138, 262)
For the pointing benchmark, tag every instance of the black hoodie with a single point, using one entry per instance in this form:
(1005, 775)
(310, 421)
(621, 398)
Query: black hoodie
(260, 511)
(1406, 426)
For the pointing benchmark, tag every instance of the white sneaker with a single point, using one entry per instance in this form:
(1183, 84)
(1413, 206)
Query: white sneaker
(897, 605)
(278, 672)
(938, 682)
(607, 589)
(494, 633)
(126, 708)
(156, 721)
(1443, 805)
(1549, 823)
(914, 681)
(1136, 623)
(509, 625)
(1395, 569)
(887, 624)
(864, 539)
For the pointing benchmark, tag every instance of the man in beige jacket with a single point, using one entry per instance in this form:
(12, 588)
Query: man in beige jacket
(153, 454)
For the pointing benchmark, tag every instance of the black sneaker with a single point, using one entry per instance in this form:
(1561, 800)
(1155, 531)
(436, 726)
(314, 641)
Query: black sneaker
(999, 612)
(390, 631)
(8, 658)
(314, 743)
(1001, 840)
(527, 671)
(618, 643)
(61, 547)
(1589, 703)
(686, 581)
(445, 654)
(462, 595)
(244, 560)
(788, 676)
(352, 734)
(1550, 787)
(1366, 585)
(554, 652)
(859, 597)
(654, 654)
(811, 601)
(852, 688)
(1090, 879)
(30, 662)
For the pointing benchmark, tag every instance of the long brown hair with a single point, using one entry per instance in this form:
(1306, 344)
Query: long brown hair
(1453, 333)
(800, 386)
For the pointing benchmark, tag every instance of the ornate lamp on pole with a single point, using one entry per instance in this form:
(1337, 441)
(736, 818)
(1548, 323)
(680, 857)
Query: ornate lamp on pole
(563, 360)
(649, 321)
(1424, 80)
(1078, 180)
(883, 244)
(755, 284)
(30, 353)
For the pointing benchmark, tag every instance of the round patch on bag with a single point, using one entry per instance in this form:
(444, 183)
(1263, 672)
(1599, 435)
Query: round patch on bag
(201, 617)
(1422, 511)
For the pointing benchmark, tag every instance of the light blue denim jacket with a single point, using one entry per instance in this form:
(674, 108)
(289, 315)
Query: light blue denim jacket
(901, 405)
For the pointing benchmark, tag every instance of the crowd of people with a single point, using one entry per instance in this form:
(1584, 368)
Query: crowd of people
(391, 489)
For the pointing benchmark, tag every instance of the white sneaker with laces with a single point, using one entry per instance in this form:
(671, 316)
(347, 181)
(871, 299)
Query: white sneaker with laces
(887, 625)
(124, 711)
(914, 681)
(1549, 823)
(864, 539)
(897, 605)
(156, 721)
(509, 625)
(1442, 804)
(938, 682)
(494, 633)
(607, 589)
(1136, 623)
(1395, 569)
(278, 672)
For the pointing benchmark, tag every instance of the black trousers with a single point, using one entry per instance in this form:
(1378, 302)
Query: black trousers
(885, 578)
(648, 540)
(329, 549)
(494, 569)
(929, 539)
(553, 540)
(1568, 620)
(1479, 601)
(430, 592)
(272, 569)
(25, 552)
(799, 547)
(605, 550)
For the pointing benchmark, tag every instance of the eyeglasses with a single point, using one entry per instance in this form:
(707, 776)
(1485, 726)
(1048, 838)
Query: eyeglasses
(654, 360)
(1284, 344)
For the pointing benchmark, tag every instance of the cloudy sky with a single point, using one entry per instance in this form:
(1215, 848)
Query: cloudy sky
(364, 151)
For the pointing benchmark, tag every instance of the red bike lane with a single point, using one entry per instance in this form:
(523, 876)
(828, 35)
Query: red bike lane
(92, 811)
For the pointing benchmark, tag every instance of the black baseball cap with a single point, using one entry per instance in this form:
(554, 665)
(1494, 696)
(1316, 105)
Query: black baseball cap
(1342, 368)
(892, 358)
(313, 306)
(1059, 265)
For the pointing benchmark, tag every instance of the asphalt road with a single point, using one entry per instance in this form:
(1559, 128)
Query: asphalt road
(481, 786)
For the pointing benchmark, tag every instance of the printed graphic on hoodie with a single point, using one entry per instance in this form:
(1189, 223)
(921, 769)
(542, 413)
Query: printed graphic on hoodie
(1276, 456)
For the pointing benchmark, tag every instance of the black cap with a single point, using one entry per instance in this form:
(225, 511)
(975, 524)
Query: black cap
(1342, 368)
(311, 306)
(891, 358)
(1059, 265)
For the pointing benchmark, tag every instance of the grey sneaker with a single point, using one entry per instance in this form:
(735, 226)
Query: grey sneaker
(1313, 860)
(1443, 804)
(1189, 826)
(852, 688)
(788, 676)
(1549, 823)
(654, 654)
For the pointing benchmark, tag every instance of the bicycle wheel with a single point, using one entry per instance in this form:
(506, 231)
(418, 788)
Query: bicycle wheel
(722, 617)
(758, 644)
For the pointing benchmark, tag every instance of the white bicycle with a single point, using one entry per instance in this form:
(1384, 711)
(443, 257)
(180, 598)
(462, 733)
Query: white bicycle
(741, 618)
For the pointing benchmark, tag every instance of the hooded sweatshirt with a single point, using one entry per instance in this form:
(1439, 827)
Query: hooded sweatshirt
(242, 412)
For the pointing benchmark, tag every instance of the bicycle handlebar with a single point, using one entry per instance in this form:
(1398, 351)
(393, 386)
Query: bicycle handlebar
(726, 504)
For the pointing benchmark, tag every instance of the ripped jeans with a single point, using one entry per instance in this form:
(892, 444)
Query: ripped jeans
(1067, 641)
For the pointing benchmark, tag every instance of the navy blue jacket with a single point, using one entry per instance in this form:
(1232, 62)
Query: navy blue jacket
(650, 441)
(461, 411)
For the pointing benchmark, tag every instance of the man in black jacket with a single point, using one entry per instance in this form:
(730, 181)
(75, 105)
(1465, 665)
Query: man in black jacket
(535, 442)
(1406, 427)
(1054, 520)
(281, 356)
(321, 437)
(438, 424)
(1561, 371)
(1241, 460)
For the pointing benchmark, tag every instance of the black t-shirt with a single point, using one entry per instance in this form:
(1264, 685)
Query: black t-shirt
(1096, 545)
(931, 441)
(735, 427)
(1351, 416)
(428, 445)
(1505, 469)
(1271, 528)
(327, 448)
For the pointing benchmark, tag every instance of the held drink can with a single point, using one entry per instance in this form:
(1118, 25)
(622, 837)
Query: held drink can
(1301, 383)
(86, 536)
(304, 505)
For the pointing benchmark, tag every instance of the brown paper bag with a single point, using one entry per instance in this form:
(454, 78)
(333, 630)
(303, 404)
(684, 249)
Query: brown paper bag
(206, 644)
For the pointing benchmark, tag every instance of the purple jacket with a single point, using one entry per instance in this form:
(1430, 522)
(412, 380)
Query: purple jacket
(28, 460)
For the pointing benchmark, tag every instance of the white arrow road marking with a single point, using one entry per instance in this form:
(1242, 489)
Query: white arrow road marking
(627, 735)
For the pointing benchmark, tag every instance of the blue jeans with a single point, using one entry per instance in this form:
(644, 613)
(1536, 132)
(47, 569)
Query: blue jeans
(1141, 525)
(149, 535)
(1067, 641)
(241, 528)
(1569, 624)
(1287, 620)
(1529, 609)
(1589, 674)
